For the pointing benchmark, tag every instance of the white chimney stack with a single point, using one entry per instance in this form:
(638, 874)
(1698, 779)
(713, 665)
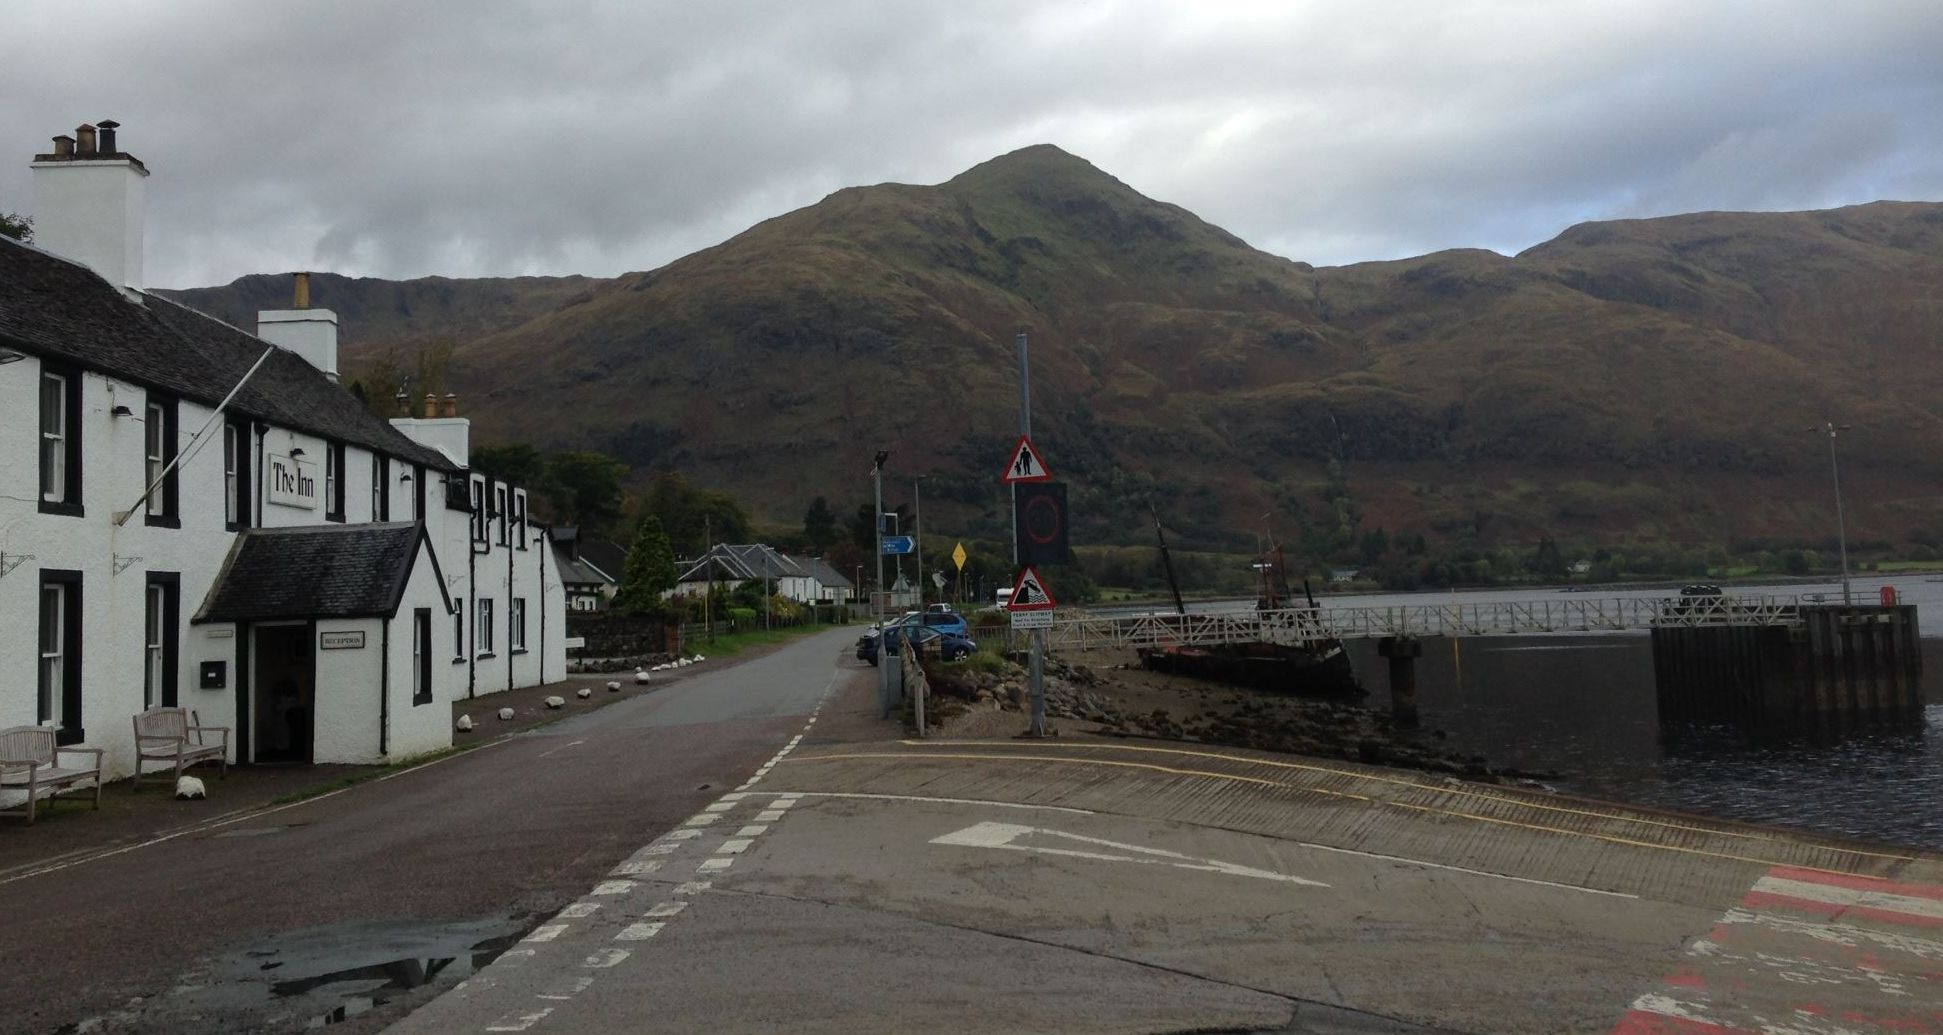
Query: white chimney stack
(89, 204)
(310, 333)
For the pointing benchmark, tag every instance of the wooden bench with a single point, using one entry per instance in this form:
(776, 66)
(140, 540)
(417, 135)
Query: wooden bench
(176, 736)
(30, 760)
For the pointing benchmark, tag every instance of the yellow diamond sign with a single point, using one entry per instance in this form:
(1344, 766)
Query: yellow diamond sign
(958, 556)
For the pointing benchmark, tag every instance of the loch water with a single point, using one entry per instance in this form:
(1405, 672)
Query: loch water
(1582, 707)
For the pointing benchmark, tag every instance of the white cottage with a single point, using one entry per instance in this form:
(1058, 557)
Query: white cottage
(193, 515)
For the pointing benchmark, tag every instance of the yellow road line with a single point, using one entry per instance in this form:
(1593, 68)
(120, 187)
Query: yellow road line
(1420, 785)
(1452, 813)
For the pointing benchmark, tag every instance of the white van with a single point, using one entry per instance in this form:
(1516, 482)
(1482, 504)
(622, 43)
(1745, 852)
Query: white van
(1004, 597)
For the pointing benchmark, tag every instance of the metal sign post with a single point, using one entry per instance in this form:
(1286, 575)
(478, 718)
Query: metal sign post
(883, 660)
(1035, 667)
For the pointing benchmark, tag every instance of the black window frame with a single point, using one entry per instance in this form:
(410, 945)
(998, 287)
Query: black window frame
(71, 730)
(516, 625)
(334, 481)
(236, 482)
(476, 504)
(166, 503)
(483, 614)
(418, 492)
(519, 516)
(169, 695)
(380, 487)
(421, 656)
(459, 636)
(501, 508)
(69, 504)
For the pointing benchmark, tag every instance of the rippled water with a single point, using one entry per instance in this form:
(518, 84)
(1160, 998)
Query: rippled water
(1583, 707)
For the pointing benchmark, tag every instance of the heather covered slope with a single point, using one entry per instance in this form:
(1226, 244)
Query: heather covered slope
(1646, 378)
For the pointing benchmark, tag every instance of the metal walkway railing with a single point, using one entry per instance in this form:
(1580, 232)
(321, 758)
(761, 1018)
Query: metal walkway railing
(1104, 631)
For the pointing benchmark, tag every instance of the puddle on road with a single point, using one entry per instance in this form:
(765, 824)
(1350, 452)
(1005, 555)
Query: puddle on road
(323, 976)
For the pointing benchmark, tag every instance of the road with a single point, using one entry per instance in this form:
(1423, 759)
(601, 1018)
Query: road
(197, 932)
(1091, 886)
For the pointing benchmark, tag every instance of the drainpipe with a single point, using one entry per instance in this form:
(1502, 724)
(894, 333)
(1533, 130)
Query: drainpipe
(511, 680)
(384, 689)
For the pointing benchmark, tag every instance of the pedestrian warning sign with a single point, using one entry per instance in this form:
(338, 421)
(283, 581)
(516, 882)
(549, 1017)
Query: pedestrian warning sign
(1030, 593)
(1027, 465)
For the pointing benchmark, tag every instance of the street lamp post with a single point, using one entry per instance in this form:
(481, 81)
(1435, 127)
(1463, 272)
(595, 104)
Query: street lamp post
(1830, 428)
(877, 546)
(917, 518)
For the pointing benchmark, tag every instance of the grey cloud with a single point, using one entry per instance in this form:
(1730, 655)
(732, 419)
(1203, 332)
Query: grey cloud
(501, 137)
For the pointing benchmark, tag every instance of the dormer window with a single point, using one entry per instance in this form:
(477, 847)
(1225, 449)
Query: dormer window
(499, 511)
(236, 476)
(380, 488)
(478, 501)
(519, 516)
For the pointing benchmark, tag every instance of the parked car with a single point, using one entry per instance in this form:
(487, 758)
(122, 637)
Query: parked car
(949, 644)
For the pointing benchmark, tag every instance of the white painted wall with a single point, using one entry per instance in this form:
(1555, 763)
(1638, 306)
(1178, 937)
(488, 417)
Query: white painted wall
(344, 705)
(114, 602)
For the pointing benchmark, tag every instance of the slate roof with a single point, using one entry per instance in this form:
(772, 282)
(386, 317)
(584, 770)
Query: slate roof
(63, 311)
(574, 571)
(734, 562)
(819, 569)
(315, 571)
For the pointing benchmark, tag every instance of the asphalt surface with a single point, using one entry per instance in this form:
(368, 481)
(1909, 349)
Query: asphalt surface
(1090, 886)
(389, 879)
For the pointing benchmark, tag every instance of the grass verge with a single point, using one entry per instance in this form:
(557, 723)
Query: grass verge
(729, 644)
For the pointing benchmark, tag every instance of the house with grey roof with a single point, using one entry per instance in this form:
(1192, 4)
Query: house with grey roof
(200, 516)
(730, 565)
(590, 568)
(820, 583)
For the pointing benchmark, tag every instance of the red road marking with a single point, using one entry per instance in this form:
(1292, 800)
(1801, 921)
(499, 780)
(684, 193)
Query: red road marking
(1834, 910)
(1639, 1022)
(1858, 882)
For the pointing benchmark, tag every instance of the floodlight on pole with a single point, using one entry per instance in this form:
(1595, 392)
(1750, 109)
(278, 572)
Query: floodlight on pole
(1831, 429)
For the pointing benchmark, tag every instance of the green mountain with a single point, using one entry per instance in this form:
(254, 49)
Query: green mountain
(1646, 378)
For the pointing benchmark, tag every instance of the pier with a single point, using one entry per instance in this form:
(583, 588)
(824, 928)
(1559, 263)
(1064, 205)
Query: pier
(1768, 662)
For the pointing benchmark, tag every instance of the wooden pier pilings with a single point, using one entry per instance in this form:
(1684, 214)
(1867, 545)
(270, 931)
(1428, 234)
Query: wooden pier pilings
(1836, 667)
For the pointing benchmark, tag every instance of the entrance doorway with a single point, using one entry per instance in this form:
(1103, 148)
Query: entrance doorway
(285, 685)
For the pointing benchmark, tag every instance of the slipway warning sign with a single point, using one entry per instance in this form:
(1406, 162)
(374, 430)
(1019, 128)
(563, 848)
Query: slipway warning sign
(1030, 593)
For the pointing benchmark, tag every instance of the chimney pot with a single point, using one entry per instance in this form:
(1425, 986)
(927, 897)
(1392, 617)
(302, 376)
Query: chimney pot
(431, 405)
(451, 404)
(301, 283)
(64, 146)
(84, 139)
(108, 127)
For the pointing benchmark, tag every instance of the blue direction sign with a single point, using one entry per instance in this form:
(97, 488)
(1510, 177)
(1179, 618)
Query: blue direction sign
(896, 544)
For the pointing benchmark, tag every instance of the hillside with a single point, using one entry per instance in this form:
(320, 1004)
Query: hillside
(1649, 378)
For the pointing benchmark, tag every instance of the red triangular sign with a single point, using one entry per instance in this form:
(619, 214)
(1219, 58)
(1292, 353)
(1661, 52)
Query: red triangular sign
(1027, 465)
(1030, 593)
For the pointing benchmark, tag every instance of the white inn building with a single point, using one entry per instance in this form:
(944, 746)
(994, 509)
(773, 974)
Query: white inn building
(193, 515)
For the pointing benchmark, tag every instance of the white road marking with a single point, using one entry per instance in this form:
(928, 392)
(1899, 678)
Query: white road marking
(769, 815)
(752, 830)
(579, 910)
(615, 887)
(1002, 835)
(665, 909)
(544, 933)
(1837, 896)
(939, 801)
(604, 958)
(1794, 1022)
(569, 988)
(639, 932)
(733, 797)
(678, 835)
(701, 820)
(718, 806)
(735, 846)
(693, 887)
(714, 865)
(635, 869)
(667, 849)
(520, 1022)
(1845, 935)
(559, 749)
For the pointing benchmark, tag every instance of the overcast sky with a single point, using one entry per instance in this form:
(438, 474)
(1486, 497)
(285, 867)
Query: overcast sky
(491, 137)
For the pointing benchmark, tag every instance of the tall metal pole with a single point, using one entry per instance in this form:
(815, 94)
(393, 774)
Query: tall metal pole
(1841, 524)
(877, 546)
(1036, 661)
(917, 518)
